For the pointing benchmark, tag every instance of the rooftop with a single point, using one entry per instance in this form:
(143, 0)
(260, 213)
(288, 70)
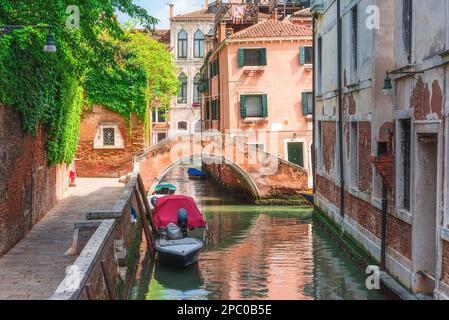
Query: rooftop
(195, 15)
(272, 29)
(304, 13)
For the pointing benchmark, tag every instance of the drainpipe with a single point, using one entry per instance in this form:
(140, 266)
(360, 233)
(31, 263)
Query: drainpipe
(340, 106)
(383, 244)
(314, 144)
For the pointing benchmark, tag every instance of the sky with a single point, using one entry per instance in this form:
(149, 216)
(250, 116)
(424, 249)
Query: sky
(160, 10)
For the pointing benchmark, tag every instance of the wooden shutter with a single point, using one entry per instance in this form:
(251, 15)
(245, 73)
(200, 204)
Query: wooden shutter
(302, 55)
(243, 106)
(305, 103)
(241, 57)
(263, 56)
(264, 106)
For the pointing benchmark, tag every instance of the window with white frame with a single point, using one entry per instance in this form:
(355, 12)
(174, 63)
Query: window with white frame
(182, 126)
(108, 136)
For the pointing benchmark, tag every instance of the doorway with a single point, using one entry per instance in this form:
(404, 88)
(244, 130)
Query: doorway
(295, 151)
(424, 243)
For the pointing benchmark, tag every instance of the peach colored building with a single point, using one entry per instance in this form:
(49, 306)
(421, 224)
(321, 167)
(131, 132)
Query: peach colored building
(260, 85)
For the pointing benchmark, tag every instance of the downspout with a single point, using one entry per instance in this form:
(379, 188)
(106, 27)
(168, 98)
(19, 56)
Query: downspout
(314, 143)
(383, 244)
(340, 107)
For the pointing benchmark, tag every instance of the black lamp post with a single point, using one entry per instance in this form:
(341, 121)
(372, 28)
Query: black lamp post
(50, 44)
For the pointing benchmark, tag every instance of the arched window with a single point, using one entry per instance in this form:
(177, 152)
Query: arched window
(182, 44)
(182, 94)
(196, 93)
(198, 44)
(198, 126)
(182, 125)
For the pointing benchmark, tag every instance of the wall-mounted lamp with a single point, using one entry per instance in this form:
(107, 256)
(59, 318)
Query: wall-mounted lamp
(50, 44)
(388, 83)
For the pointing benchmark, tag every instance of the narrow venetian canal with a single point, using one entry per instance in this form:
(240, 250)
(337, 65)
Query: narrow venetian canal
(254, 252)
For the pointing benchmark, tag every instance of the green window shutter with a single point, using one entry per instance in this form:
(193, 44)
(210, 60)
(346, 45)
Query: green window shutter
(264, 106)
(241, 57)
(243, 106)
(305, 103)
(302, 55)
(263, 56)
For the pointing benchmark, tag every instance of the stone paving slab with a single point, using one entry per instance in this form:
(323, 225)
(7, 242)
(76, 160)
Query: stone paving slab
(35, 266)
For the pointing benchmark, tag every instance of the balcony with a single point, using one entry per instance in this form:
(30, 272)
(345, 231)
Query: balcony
(252, 70)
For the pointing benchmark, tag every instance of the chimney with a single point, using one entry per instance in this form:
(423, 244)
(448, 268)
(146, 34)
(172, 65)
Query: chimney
(276, 14)
(206, 4)
(172, 9)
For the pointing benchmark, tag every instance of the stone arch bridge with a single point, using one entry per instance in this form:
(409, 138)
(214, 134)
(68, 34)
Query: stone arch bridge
(261, 174)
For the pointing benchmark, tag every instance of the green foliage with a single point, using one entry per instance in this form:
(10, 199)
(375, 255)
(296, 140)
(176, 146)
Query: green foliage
(47, 88)
(144, 72)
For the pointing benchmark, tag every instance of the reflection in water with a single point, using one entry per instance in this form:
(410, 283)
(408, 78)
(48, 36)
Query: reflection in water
(255, 252)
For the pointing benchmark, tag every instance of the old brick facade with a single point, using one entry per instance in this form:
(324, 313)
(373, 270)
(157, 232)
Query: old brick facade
(28, 187)
(393, 138)
(109, 161)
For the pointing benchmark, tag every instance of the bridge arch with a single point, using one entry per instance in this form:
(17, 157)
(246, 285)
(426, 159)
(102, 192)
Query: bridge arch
(250, 185)
(262, 175)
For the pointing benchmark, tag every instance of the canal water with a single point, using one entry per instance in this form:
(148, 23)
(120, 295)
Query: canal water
(254, 252)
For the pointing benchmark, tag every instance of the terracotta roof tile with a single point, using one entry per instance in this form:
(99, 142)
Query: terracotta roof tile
(272, 29)
(199, 14)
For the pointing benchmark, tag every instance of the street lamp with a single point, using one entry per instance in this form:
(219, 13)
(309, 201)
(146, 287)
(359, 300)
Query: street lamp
(50, 44)
(388, 83)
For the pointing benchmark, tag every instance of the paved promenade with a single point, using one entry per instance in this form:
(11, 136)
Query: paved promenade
(34, 268)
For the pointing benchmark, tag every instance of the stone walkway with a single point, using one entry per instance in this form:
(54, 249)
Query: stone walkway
(34, 268)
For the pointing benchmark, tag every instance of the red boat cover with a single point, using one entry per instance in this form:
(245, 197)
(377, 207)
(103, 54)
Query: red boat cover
(166, 211)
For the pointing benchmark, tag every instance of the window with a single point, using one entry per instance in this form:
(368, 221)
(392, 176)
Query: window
(182, 94)
(306, 55)
(354, 153)
(307, 103)
(252, 57)
(159, 115)
(253, 106)
(182, 44)
(196, 92)
(406, 140)
(354, 40)
(108, 136)
(198, 44)
(214, 68)
(320, 65)
(216, 110)
(407, 27)
(161, 136)
(198, 126)
(182, 125)
(206, 110)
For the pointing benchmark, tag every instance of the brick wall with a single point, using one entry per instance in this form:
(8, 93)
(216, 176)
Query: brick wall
(365, 166)
(28, 187)
(108, 163)
(369, 217)
(329, 137)
(445, 263)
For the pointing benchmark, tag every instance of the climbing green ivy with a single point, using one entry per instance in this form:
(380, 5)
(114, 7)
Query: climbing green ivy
(145, 72)
(49, 88)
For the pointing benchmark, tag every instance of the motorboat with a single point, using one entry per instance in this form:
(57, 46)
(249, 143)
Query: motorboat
(196, 173)
(160, 191)
(175, 217)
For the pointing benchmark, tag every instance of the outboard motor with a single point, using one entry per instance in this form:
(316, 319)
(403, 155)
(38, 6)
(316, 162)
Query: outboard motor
(183, 221)
(153, 201)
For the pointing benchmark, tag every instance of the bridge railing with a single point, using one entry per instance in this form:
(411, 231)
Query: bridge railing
(106, 264)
